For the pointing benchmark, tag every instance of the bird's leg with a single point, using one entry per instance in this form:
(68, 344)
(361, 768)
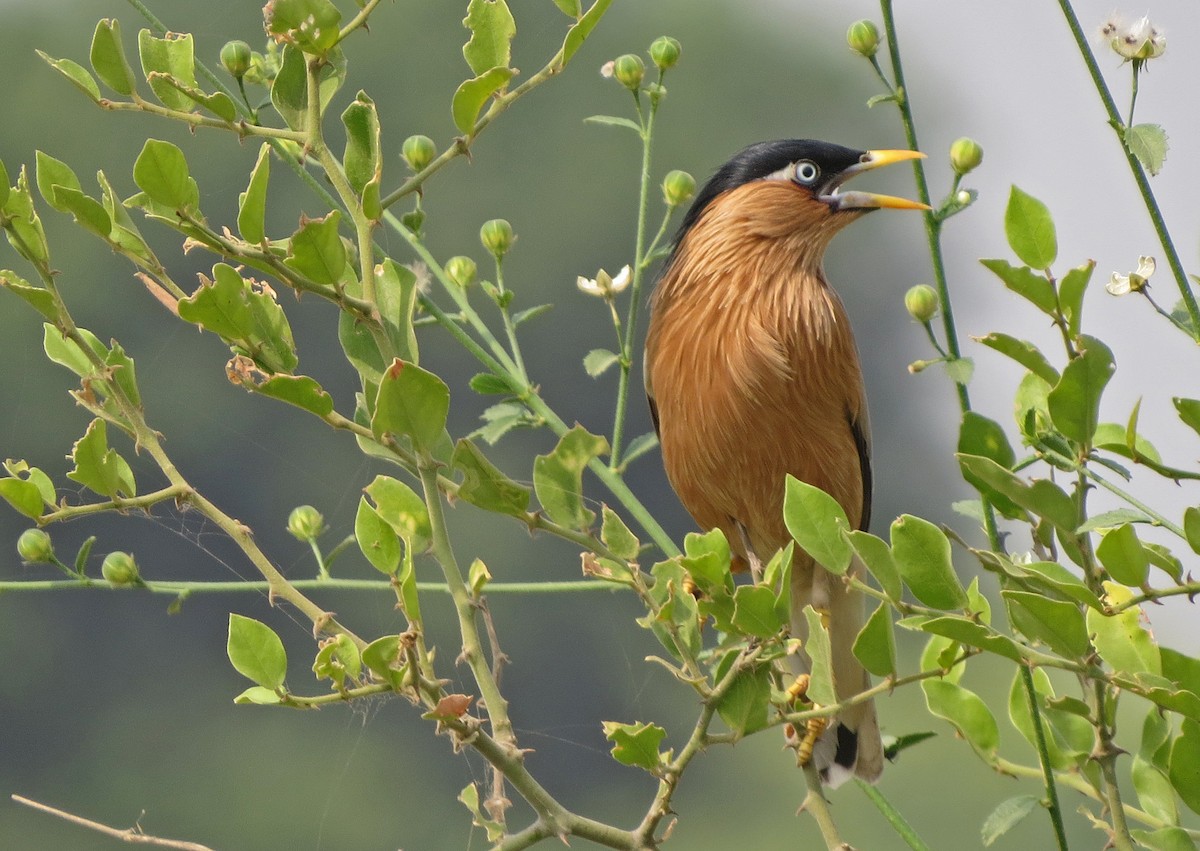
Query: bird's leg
(752, 559)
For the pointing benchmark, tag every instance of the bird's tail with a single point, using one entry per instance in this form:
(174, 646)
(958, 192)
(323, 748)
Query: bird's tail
(851, 746)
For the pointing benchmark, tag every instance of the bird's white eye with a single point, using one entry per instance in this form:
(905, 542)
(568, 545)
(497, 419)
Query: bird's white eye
(806, 172)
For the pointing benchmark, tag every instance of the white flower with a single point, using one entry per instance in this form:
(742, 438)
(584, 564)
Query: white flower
(606, 70)
(1134, 282)
(1138, 41)
(605, 285)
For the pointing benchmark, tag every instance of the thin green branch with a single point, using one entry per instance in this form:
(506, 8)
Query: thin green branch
(894, 818)
(1135, 167)
(1035, 716)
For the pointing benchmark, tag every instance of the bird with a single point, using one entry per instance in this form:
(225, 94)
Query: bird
(752, 374)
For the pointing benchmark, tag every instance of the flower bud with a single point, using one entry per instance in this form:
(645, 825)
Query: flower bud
(461, 270)
(965, 155)
(678, 188)
(664, 52)
(418, 151)
(497, 237)
(34, 547)
(629, 71)
(305, 523)
(863, 38)
(120, 569)
(236, 57)
(921, 302)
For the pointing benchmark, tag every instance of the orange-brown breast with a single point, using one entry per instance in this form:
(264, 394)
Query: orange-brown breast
(751, 364)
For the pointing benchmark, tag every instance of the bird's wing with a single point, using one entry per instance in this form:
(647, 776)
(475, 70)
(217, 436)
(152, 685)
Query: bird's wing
(860, 427)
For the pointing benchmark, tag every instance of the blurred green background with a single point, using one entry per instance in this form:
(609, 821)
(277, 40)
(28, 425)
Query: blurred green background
(111, 708)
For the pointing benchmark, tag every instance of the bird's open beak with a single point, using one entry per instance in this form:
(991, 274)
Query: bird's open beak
(868, 200)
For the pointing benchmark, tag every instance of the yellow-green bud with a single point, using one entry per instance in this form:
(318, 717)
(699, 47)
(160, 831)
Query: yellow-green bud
(863, 38)
(305, 523)
(497, 237)
(664, 52)
(678, 188)
(120, 569)
(461, 270)
(418, 151)
(34, 547)
(629, 71)
(965, 155)
(921, 302)
(236, 57)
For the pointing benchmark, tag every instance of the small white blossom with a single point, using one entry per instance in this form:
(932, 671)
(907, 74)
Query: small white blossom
(1134, 42)
(605, 285)
(1134, 282)
(606, 70)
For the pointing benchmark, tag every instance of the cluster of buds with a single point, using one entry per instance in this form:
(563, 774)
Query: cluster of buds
(604, 285)
(629, 70)
(1136, 42)
(1134, 282)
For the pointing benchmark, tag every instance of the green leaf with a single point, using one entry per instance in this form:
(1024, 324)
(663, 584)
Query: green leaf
(121, 367)
(383, 658)
(1026, 354)
(1165, 839)
(400, 507)
(487, 384)
(412, 402)
(87, 211)
(1185, 764)
(484, 485)
(875, 645)
(362, 160)
(1043, 497)
(877, 556)
(1123, 556)
(1120, 639)
(23, 495)
(707, 559)
(76, 73)
(289, 89)
(98, 467)
(821, 688)
(41, 300)
(1070, 295)
(959, 370)
(578, 34)
(396, 298)
(598, 360)
(316, 250)
(530, 313)
(1057, 624)
(635, 744)
(1026, 283)
(1191, 517)
(258, 696)
(558, 477)
(66, 352)
(108, 57)
(570, 8)
(470, 97)
(256, 651)
(1154, 790)
(252, 204)
(376, 539)
(24, 230)
(962, 630)
(745, 705)
(469, 797)
(818, 524)
(615, 121)
(1075, 401)
(922, 553)
(639, 446)
(1147, 142)
(172, 56)
(312, 25)
(754, 611)
(162, 173)
(1007, 815)
(1189, 412)
(617, 537)
(966, 711)
(218, 103)
(299, 390)
(245, 315)
(980, 436)
(492, 29)
(1030, 230)
(53, 173)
